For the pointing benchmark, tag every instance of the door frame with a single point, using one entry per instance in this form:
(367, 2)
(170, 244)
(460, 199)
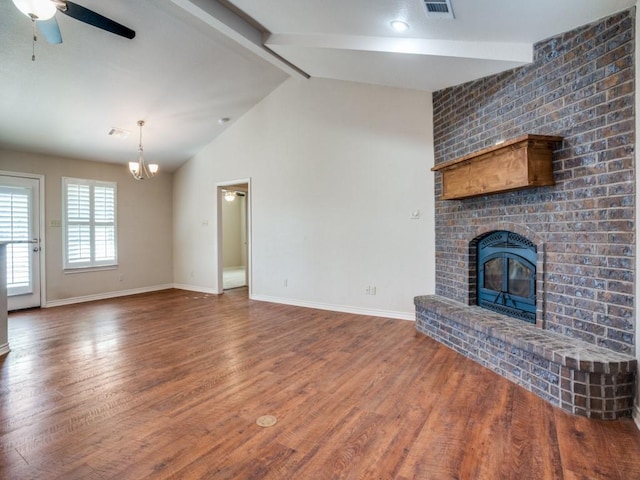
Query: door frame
(219, 253)
(41, 225)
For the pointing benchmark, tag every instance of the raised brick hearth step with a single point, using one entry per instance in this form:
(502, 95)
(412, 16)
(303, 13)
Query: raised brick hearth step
(577, 376)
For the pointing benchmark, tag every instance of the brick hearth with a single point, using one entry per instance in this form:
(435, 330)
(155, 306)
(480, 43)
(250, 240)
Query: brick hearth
(579, 377)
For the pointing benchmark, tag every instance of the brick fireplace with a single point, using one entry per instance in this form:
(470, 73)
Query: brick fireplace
(579, 353)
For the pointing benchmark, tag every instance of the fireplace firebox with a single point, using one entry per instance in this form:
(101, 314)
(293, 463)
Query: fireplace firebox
(507, 275)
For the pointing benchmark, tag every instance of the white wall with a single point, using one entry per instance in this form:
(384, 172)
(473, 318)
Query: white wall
(336, 169)
(144, 228)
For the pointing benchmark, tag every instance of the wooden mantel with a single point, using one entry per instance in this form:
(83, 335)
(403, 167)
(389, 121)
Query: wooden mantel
(523, 162)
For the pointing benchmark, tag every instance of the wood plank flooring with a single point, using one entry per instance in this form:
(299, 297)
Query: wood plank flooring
(169, 385)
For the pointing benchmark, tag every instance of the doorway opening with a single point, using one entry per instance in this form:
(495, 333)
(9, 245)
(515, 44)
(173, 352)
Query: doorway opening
(233, 235)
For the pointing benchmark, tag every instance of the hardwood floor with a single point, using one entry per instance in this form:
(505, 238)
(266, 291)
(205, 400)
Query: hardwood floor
(169, 386)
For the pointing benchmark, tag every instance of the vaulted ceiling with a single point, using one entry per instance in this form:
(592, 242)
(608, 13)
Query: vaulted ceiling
(193, 62)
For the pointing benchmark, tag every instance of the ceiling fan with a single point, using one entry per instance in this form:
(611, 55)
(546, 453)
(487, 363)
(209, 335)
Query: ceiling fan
(42, 12)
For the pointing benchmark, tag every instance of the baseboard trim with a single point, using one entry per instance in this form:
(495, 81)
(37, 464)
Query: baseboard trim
(263, 298)
(336, 308)
(106, 295)
(4, 349)
(636, 414)
(195, 288)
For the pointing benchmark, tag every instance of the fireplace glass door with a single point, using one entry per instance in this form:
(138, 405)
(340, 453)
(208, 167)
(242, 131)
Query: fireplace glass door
(506, 275)
(510, 275)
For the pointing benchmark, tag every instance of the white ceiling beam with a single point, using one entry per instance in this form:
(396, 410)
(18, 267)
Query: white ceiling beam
(510, 52)
(237, 29)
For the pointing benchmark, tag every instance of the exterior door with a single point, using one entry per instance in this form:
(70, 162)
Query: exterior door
(20, 226)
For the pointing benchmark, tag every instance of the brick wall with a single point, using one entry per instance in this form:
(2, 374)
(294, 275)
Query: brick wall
(580, 86)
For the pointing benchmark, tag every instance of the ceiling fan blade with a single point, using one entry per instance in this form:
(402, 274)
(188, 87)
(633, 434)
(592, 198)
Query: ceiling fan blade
(92, 18)
(50, 30)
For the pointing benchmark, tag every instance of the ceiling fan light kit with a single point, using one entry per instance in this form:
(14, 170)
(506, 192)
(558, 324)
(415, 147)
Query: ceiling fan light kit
(36, 9)
(42, 13)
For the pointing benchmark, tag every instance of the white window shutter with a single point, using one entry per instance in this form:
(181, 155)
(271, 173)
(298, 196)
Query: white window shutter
(90, 223)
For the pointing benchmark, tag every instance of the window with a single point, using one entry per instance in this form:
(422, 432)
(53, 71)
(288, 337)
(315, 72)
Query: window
(14, 227)
(89, 223)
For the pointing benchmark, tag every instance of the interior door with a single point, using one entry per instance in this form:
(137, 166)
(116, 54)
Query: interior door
(20, 225)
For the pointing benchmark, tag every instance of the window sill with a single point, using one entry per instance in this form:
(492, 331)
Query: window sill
(88, 269)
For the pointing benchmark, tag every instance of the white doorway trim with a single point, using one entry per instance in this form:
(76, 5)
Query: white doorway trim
(219, 254)
(42, 225)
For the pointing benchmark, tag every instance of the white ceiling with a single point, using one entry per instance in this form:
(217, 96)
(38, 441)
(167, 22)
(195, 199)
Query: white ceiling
(178, 74)
(195, 61)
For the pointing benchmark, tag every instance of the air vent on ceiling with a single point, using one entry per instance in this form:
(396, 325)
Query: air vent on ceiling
(118, 133)
(439, 9)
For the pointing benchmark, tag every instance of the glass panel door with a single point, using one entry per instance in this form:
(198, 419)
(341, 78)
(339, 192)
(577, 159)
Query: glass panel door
(493, 278)
(19, 224)
(520, 279)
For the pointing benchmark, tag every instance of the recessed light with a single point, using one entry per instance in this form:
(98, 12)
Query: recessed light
(399, 26)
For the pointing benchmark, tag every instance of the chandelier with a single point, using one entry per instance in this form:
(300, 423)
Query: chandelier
(140, 170)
